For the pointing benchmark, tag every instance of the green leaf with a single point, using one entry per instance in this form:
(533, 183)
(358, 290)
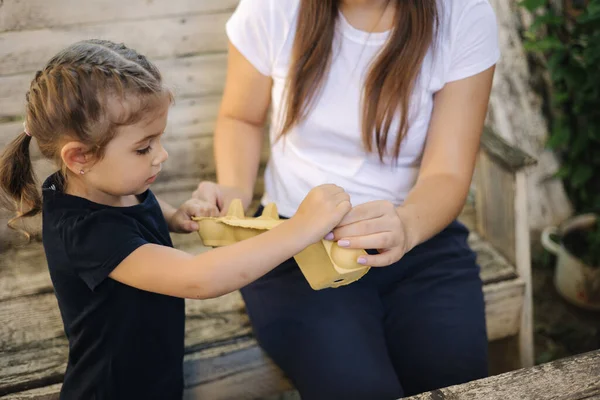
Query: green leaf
(560, 136)
(563, 171)
(544, 44)
(580, 145)
(559, 97)
(546, 20)
(581, 175)
(532, 5)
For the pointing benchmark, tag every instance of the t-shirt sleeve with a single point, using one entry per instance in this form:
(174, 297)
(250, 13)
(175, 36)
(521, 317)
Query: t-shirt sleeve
(97, 243)
(250, 30)
(474, 40)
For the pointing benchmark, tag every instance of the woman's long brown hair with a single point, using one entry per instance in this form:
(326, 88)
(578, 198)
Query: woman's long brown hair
(391, 78)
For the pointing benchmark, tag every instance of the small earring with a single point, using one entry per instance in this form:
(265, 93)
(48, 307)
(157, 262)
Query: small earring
(81, 172)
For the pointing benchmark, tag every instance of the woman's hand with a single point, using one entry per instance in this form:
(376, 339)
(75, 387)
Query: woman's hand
(220, 196)
(374, 225)
(181, 221)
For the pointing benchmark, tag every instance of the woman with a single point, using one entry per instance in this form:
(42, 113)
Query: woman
(387, 99)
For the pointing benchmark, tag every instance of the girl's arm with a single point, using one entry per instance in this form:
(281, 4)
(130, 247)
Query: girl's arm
(168, 271)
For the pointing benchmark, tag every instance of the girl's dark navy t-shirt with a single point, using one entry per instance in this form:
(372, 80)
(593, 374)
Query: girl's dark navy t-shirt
(124, 343)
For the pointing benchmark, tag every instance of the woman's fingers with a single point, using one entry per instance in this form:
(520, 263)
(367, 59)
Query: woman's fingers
(208, 192)
(382, 240)
(362, 228)
(383, 259)
(199, 208)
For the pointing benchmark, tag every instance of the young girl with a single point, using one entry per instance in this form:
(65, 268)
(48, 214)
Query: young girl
(99, 109)
(387, 99)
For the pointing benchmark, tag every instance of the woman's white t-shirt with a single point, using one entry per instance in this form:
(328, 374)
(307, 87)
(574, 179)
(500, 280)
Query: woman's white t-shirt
(327, 146)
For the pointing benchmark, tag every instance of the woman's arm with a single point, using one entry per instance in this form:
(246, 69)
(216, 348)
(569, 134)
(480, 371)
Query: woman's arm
(239, 132)
(449, 158)
(442, 184)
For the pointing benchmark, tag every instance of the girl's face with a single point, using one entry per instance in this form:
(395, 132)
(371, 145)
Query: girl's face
(132, 160)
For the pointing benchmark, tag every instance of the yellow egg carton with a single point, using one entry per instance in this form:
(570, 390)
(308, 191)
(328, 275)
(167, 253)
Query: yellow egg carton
(323, 264)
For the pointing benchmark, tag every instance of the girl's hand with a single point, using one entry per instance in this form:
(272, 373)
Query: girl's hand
(321, 210)
(181, 221)
(374, 225)
(220, 196)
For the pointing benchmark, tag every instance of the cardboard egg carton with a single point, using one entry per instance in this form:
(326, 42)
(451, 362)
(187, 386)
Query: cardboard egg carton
(323, 264)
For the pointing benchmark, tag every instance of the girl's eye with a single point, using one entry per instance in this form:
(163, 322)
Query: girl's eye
(144, 150)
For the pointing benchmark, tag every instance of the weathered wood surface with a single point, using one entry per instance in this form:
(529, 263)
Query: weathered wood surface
(35, 14)
(573, 378)
(495, 209)
(188, 76)
(509, 157)
(501, 217)
(191, 117)
(523, 266)
(34, 350)
(235, 370)
(23, 51)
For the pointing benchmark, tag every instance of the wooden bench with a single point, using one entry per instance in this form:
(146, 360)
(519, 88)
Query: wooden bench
(572, 378)
(223, 360)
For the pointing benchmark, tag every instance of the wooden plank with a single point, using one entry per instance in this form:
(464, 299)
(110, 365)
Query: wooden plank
(572, 378)
(12, 93)
(41, 364)
(503, 302)
(209, 324)
(225, 371)
(494, 267)
(195, 75)
(29, 319)
(495, 207)
(192, 76)
(23, 272)
(36, 318)
(34, 357)
(523, 265)
(243, 374)
(507, 155)
(9, 131)
(188, 117)
(34, 14)
(160, 38)
(239, 370)
(42, 393)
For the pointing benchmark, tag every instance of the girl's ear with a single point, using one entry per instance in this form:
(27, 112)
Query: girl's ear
(77, 157)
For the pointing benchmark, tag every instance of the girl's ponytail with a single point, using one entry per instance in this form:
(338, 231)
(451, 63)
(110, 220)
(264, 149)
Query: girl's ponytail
(18, 185)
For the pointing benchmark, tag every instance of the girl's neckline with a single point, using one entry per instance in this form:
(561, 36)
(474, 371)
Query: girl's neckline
(360, 36)
(54, 185)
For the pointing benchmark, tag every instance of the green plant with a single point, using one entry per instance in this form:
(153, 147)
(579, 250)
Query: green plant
(569, 43)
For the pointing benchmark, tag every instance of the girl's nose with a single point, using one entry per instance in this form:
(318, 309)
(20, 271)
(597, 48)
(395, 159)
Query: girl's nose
(161, 157)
